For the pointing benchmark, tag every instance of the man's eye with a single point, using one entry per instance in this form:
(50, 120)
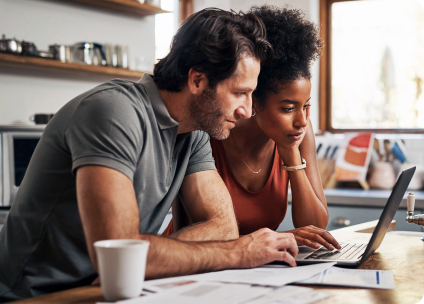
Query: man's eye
(306, 106)
(241, 93)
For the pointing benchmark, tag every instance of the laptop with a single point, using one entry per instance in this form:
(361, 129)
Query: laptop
(353, 254)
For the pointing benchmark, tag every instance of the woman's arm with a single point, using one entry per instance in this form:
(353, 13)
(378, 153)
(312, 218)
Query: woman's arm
(306, 187)
(309, 206)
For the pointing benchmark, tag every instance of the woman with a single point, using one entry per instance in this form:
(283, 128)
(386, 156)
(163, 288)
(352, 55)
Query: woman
(257, 159)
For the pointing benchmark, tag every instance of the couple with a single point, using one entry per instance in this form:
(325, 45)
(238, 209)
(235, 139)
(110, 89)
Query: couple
(112, 161)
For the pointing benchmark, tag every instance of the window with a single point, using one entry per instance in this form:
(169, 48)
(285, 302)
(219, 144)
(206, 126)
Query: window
(165, 28)
(372, 72)
(166, 25)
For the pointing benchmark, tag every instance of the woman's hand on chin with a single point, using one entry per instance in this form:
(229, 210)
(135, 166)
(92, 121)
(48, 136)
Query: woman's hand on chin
(312, 236)
(289, 151)
(290, 154)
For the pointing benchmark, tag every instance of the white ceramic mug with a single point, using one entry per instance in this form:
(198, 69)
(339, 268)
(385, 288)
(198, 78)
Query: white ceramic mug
(122, 264)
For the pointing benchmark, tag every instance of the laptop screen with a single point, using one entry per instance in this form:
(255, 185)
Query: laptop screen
(389, 211)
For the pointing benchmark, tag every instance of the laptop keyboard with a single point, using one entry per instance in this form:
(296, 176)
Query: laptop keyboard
(347, 252)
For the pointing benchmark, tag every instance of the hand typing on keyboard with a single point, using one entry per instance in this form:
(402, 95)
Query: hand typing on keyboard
(314, 237)
(347, 252)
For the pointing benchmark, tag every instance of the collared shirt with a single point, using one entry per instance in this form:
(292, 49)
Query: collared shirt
(122, 125)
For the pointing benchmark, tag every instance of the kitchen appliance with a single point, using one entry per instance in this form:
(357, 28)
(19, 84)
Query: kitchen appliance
(29, 49)
(41, 119)
(10, 45)
(117, 56)
(89, 53)
(61, 52)
(17, 145)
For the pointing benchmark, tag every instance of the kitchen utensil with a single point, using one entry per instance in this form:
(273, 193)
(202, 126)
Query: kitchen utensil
(124, 57)
(10, 45)
(29, 49)
(327, 151)
(45, 54)
(397, 152)
(326, 167)
(388, 156)
(118, 54)
(382, 175)
(89, 53)
(109, 50)
(41, 119)
(61, 52)
(328, 178)
(319, 148)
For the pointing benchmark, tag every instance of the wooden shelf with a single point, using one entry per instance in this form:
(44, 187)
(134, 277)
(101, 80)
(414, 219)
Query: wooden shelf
(71, 68)
(130, 7)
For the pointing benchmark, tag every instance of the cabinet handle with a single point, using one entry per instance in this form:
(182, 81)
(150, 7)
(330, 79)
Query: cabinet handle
(341, 221)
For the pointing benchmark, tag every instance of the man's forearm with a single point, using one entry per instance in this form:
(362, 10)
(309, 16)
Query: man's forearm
(169, 257)
(211, 230)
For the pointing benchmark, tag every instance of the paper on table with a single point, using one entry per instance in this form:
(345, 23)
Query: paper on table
(291, 295)
(191, 292)
(336, 276)
(267, 276)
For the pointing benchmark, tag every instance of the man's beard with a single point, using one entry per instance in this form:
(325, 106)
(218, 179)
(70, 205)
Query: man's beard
(206, 114)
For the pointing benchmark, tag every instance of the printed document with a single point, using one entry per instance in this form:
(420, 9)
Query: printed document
(335, 276)
(269, 275)
(191, 292)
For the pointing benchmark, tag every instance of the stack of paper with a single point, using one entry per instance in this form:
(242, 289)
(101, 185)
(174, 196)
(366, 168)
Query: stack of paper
(261, 285)
(192, 292)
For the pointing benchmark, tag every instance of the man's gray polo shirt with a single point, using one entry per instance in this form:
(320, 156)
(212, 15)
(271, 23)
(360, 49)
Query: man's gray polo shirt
(122, 125)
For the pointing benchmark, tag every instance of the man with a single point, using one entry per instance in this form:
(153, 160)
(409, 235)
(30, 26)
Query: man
(113, 159)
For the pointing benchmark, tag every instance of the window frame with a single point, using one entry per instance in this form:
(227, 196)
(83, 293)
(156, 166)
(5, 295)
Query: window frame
(324, 112)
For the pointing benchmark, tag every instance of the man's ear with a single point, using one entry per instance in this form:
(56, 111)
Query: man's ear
(197, 82)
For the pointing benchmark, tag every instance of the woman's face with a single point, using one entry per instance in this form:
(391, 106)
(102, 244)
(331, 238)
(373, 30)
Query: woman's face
(285, 115)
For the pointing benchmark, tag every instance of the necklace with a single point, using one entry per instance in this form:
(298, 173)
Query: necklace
(256, 172)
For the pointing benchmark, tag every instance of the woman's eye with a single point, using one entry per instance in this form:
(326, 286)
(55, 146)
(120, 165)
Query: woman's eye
(241, 93)
(306, 106)
(287, 110)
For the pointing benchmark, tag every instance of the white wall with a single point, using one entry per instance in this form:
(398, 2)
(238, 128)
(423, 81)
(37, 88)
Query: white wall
(310, 7)
(46, 22)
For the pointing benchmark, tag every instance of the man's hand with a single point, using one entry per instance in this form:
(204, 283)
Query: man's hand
(311, 236)
(265, 246)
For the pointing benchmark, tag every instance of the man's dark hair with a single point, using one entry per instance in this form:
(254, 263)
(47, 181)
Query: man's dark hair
(211, 41)
(296, 42)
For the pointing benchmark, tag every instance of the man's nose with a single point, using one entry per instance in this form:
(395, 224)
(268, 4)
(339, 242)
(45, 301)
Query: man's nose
(245, 110)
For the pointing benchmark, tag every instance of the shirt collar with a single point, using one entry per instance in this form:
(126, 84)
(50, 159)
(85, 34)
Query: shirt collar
(163, 118)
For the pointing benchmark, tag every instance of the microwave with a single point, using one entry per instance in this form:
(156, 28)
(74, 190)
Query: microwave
(17, 144)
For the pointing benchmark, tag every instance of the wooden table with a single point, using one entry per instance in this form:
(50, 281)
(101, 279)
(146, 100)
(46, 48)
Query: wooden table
(404, 255)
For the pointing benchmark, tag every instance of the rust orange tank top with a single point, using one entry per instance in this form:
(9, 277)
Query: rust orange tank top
(254, 210)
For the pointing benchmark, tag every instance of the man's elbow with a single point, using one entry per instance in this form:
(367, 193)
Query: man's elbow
(230, 230)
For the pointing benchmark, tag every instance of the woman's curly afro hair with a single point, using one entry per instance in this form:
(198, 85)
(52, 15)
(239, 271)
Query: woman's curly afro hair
(296, 42)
